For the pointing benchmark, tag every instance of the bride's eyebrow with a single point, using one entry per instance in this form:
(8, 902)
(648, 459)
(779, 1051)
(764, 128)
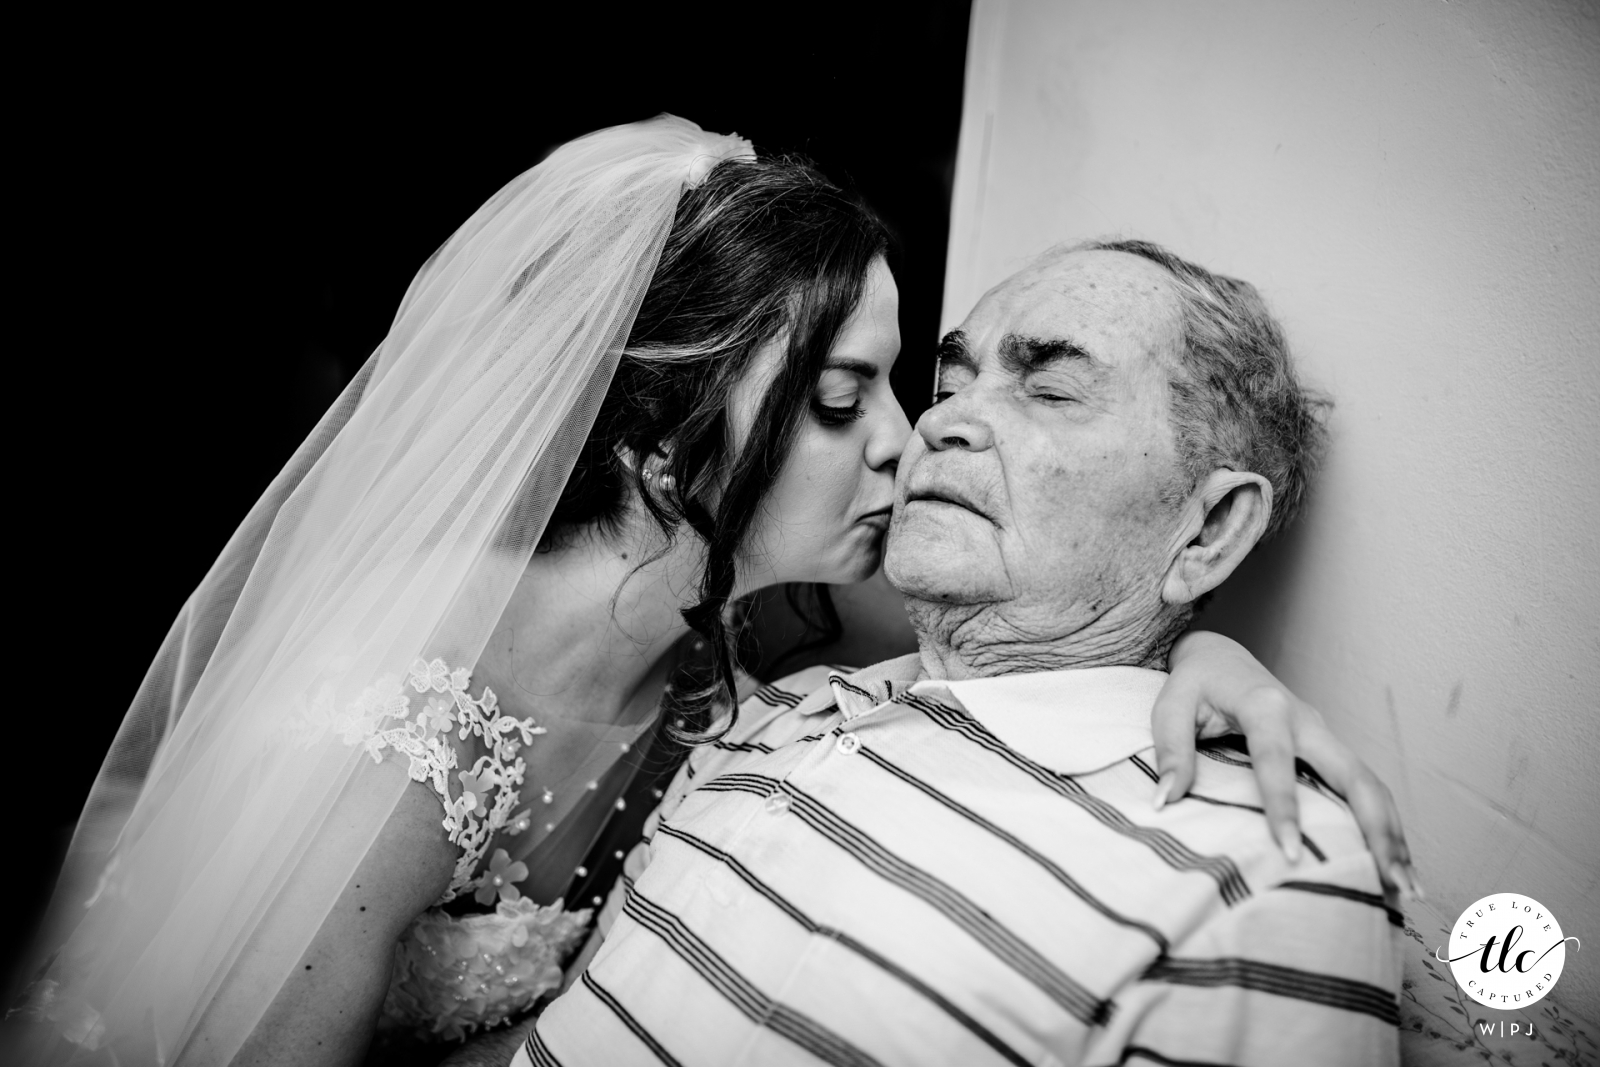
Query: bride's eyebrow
(867, 370)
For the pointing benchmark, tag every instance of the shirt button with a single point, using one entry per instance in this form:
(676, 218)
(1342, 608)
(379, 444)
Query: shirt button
(777, 803)
(848, 744)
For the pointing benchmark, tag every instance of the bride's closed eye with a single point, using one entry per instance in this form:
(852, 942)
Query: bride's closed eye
(837, 400)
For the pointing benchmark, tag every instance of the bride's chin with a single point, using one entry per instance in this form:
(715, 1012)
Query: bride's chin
(855, 557)
(863, 564)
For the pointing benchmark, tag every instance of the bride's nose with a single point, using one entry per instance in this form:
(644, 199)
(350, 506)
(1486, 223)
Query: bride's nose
(889, 437)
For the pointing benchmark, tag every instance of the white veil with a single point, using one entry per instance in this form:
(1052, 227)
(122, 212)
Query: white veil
(397, 532)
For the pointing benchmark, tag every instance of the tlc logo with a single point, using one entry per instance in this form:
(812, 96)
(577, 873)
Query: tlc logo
(1510, 951)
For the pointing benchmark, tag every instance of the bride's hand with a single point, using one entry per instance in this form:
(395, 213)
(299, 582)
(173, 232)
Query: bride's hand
(1217, 687)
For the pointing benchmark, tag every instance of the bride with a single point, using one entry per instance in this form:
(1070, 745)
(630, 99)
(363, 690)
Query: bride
(363, 775)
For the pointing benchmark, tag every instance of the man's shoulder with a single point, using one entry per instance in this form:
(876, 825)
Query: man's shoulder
(1224, 773)
(792, 689)
(775, 712)
(771, 715)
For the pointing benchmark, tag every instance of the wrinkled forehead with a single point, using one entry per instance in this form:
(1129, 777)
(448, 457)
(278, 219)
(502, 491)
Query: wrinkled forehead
(1123, 308)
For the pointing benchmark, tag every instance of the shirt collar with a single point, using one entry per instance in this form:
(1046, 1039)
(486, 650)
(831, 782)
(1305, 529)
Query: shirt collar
(859, 692)
(1073, 721)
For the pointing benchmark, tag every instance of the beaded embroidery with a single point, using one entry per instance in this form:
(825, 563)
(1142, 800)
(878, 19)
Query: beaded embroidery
(454, 975)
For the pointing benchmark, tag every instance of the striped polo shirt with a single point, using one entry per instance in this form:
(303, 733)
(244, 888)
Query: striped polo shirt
(893, 871)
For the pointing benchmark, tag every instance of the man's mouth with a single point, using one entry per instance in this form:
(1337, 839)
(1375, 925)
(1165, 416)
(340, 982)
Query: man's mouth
(946, 496)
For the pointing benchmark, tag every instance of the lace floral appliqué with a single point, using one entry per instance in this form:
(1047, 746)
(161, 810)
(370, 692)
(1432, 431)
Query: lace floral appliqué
(457, 974)
(381, 718)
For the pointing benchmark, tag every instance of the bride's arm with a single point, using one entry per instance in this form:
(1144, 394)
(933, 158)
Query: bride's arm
(327, 1012)
(1217, 687)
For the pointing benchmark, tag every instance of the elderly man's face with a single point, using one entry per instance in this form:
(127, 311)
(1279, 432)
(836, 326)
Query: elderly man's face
(1037, 480)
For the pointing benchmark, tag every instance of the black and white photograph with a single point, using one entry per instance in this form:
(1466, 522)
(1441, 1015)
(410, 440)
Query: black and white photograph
(977, 533)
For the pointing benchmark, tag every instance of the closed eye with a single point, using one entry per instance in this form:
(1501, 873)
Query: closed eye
(1052, 387)
(950, 381)
(831, 415)
(838, 397)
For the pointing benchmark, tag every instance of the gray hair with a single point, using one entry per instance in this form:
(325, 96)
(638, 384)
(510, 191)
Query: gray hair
(1236, 403)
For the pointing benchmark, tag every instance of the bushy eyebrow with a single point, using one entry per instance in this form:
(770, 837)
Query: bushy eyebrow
(1027, 355)
(1019, 354)
(955, 352)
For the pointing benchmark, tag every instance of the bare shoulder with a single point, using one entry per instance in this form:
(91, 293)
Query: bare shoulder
(412, 859)
(326, 1009)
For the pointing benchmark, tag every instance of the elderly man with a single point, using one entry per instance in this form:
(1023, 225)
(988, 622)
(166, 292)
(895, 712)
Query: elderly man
(962, 856)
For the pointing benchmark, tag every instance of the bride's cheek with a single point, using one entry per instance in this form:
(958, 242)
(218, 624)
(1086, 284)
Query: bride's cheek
(834, 479)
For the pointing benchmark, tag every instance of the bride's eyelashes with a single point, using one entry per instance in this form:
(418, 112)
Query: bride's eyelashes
(837, 400)
(836, 415)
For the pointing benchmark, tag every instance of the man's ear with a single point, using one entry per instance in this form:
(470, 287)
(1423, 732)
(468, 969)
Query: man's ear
(1223, 519)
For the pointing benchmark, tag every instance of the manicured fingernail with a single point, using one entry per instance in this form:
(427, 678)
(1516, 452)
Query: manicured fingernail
(1289, 841)
(1164, 789)
(1415, 883)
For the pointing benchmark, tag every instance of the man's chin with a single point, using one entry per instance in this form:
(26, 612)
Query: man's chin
(933, 562)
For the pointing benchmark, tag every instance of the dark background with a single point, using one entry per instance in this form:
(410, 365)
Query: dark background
(222, 222)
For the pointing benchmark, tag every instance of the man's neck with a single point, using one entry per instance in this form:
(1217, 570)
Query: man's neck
(961, 641)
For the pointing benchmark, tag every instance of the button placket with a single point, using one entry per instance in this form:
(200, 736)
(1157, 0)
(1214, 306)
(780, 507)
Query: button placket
(847, 743)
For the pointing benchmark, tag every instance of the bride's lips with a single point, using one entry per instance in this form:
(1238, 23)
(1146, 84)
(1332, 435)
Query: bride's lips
(878, 520)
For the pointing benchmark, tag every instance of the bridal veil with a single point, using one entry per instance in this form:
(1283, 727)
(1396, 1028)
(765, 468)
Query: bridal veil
(232, 808)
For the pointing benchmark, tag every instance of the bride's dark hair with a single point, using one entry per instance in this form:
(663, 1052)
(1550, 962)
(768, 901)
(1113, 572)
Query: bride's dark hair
(761, 250)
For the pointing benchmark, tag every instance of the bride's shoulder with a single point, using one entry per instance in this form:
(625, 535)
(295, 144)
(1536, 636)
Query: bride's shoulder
(464, 750)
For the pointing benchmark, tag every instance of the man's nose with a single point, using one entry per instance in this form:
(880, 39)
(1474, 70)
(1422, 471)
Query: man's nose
(957, 422)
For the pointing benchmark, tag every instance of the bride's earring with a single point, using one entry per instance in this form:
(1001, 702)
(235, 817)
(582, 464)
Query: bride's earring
(665, 482)
(653, 477)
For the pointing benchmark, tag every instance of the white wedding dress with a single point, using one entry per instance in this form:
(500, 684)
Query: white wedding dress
(456, 974)
(321, 668)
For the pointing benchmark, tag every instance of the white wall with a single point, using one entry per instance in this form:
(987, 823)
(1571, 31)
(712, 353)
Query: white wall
(1413, 186)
